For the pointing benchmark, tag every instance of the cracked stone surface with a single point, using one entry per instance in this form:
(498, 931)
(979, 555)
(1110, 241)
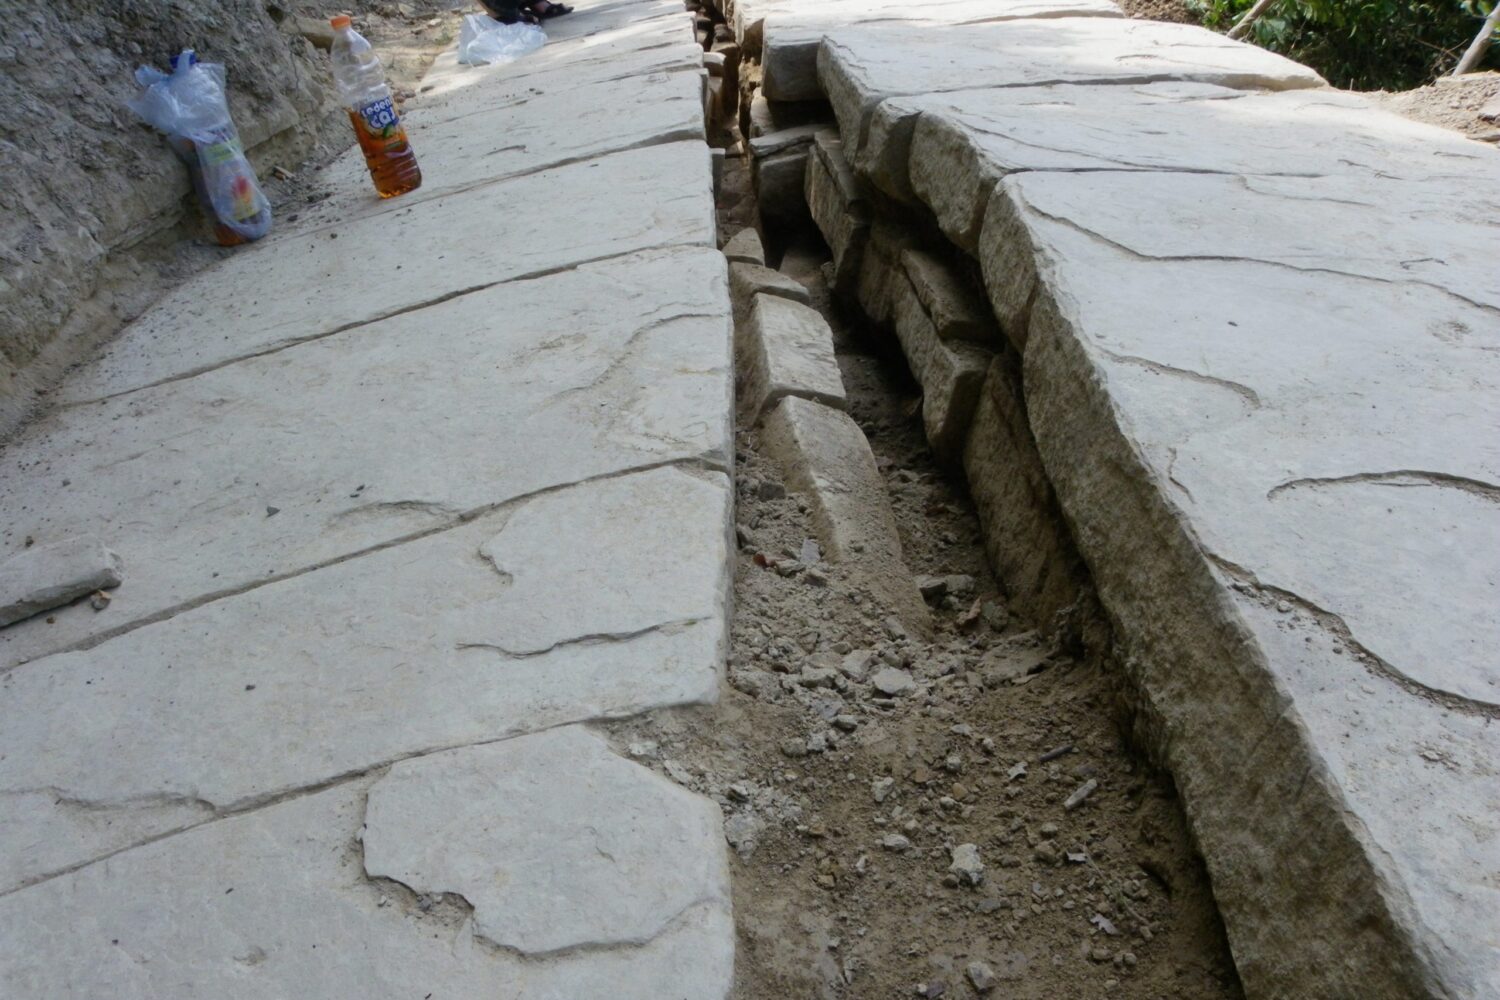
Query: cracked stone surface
(294, 289)
(556, 843)
(1299, 441)
(484, 631)
(403, 494)
(280, 463)
(861, 67)
(276, 904)
(787, 33)
(963, 143)
(563, 123)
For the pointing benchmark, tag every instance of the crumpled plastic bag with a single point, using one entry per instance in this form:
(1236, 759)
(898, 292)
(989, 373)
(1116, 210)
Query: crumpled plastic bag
(484, 40)
(190, 106)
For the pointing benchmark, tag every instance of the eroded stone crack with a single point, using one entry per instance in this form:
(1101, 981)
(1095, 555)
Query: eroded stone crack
(1247, 395)
(1231, 259)
(1399, 478)
(292, 342)
(671, 627)
(707, 461)
(1246, 581)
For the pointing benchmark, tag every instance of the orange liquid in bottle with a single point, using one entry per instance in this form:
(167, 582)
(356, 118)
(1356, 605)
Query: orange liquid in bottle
(393, 165)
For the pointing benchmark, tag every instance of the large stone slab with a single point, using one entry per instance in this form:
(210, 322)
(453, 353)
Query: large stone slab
(271, 466)
(864, 66)
(1267, 407)
(493, 628)
(275, 294)
(1385, 230)
(276, 903)
(585, 849)
(787, 33)
(560, 125)
(964, 142)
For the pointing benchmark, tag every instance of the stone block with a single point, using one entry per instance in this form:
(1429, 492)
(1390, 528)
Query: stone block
(744, 247)
(778, 162)
(299, 288)
(950, 372)
(627, 851)
(746, 281)
(956, 309)
(782, 349)
(1282, 476)
(824, 455)
(964, 142)
(880, 270)
(863, 67)
(767, 118)
(296, 458)
(836, 202)
(276, 902)
(561, 125)
(788, 32)
(43, 577)
(208, 712)
(1025, 536)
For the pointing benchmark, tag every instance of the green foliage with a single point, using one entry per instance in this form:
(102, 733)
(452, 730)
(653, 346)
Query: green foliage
(1362, 44)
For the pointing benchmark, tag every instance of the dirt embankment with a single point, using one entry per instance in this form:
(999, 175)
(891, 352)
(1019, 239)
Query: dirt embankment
(93, 205)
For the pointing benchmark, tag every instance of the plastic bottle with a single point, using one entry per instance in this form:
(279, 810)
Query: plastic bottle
(361, 83)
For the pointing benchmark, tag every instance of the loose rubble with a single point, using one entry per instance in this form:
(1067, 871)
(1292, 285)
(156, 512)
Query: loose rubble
(895, 800)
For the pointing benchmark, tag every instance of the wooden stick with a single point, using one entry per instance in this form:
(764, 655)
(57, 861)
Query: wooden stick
(1480, 43)
(1251, 15)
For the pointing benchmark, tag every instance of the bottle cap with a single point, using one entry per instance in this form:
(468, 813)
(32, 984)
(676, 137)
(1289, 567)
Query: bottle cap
(340, 21)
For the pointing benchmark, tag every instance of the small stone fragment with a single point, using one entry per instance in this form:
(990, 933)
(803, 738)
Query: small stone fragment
(742, 831)
(982, 976)
(892, 682)
(880, 788)
(895, 842)
(43, 577)
(1083, 792)
(932, 587)
(966, 864)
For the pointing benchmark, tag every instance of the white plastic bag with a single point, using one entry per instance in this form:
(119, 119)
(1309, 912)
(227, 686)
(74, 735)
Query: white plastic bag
(190, 107)
(485, 40)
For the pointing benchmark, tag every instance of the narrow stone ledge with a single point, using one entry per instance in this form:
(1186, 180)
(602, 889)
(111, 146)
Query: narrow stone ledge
(824, 455)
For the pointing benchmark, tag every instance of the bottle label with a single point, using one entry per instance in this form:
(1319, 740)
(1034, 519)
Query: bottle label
(379, 116)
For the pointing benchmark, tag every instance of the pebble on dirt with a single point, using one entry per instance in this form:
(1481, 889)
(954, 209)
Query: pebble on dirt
(966, 864)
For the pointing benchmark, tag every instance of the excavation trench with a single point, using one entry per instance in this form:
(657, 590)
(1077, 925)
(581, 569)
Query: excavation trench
(845, 806)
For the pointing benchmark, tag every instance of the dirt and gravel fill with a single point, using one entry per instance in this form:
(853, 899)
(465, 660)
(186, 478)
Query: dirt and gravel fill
(1176, 11)
(951, 815)
(1469, 104)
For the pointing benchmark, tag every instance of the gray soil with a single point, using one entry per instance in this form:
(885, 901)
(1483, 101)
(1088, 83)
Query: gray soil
(844, 804)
